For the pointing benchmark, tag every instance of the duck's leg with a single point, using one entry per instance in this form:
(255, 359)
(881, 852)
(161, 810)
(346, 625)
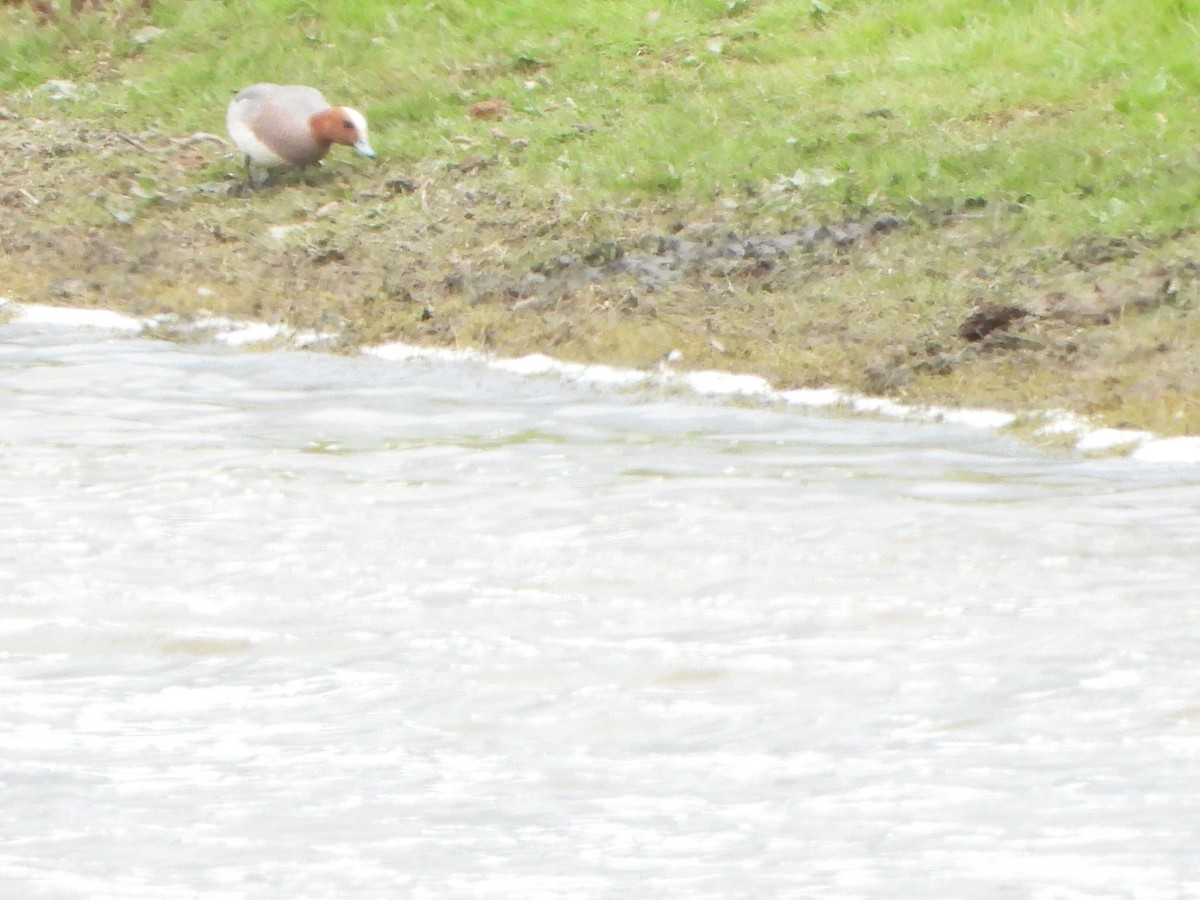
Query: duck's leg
(243, 187)
(249, 182)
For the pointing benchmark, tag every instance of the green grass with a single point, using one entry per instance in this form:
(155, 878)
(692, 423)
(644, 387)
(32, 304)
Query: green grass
(1083, 112)
(1065, 131)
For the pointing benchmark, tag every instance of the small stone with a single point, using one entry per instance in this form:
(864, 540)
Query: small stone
(59, 89)
(147, 34)
(400, 185)
(279, 232)
(882, 378)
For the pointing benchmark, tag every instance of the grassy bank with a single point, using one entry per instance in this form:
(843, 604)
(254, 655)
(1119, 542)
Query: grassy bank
(821, 192)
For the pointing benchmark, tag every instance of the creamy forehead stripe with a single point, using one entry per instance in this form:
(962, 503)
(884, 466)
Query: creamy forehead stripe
(359, 120)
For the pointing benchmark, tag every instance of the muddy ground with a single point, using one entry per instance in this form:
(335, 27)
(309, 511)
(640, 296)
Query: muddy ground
(924, 304)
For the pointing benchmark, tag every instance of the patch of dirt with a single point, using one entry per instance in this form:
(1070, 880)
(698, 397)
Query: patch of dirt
(656, 262)
(1103, 296)
(926, 306)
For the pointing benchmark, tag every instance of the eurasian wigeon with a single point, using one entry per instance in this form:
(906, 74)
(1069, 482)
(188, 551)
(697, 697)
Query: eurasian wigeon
(291, 125)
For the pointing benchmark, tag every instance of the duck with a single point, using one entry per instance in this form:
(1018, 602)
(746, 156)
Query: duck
(280, 125)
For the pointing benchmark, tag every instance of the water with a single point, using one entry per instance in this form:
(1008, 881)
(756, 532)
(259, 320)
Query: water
(295, 625)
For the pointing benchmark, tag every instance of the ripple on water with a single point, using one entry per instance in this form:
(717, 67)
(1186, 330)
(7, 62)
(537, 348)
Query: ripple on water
(373, 627)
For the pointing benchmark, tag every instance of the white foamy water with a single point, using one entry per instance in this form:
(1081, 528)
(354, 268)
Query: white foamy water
(297, 625)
